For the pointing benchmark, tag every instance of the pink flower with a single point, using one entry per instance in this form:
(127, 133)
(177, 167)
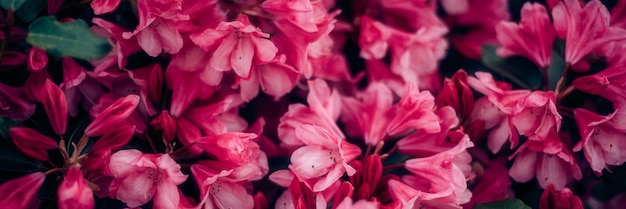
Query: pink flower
(536, 115)
(415, 111)
(323, 110)
(217, 189)
(532, 38)
(275, 78)
(104, 6)
(300, 13)
(600, 139)
(74, 192)
(608, 83)
(32, 143)
(55, 104)
(549, 160)
(585, 30)
(416, 56)
(157, 30)
(373, 38)
(235, 148)
(15, 194)
(140, 177)
(440, 177)
(247, 41)
(324, 158)
(563, 199)
(426, 144)
(369, 118)
(113, 115)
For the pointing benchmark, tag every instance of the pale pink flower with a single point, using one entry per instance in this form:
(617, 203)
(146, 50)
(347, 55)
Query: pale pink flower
(323, 159)
(141, 177)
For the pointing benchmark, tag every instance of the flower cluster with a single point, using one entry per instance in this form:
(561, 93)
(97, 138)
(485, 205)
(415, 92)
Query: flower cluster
(255, 104)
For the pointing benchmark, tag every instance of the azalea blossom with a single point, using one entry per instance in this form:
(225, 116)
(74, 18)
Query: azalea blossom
(139, 177)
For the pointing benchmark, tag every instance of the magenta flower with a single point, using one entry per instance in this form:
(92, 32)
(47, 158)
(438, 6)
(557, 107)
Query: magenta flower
(141, 177)
(532, 38)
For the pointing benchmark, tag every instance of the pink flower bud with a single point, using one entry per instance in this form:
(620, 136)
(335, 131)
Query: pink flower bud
(32, 143)
(55, 104)
(74, 192)
(21, 192)
(113, 115)
(37, 59)
(551, 199)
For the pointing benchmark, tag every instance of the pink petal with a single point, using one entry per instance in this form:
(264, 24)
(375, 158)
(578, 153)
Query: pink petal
(136, 189)
(312, 161)
(241, 57)
(523, 169)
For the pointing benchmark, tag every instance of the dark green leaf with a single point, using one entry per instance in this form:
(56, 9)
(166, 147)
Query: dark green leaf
(504, 204)
(30, 9)
(557, 65)
(516, 69)
(15, 4)
(5, 124)
(72, 39)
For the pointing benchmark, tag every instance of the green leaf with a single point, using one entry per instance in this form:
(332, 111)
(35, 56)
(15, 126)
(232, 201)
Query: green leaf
(72, 39)
(30, 9)
(14, 4)
(557, 65)
(517, 69)
(504, 204)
